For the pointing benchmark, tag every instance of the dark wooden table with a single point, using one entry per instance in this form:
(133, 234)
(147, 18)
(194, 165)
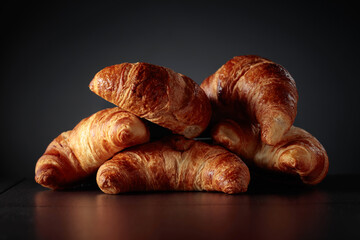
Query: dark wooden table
(330, 210)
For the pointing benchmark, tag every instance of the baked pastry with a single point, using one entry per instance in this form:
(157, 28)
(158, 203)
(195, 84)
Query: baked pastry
(251, 87)
(297, 153)
(78, 153)
(174, 164)
(157, 94)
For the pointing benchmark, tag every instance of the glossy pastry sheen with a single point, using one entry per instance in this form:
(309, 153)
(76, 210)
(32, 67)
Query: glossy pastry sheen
(157, 94)
(78, 153)
(297, 153)
(174, 164)
(251, 87)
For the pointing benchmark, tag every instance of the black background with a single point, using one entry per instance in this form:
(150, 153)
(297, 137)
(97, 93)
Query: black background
(51, 50)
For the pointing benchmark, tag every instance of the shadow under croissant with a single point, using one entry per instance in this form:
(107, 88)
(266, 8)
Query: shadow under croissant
(86, 184)
(262, 182)
(157, 132)
(266, 182)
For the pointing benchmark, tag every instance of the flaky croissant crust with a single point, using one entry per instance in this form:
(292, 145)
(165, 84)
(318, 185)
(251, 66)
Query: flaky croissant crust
(78, 153)
(251, 87)
(156, 93)
(297, 153)
(174, 163)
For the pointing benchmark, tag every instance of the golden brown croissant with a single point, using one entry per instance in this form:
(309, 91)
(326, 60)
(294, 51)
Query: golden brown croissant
(78, 153)
(157, 94)
(297, 153)
(251, 87)
(174, 163)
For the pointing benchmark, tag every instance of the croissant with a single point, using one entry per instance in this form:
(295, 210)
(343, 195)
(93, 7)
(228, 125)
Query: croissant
(251, 87)
(157, 94)
(78, 153)
(174, 163)
(297, 153)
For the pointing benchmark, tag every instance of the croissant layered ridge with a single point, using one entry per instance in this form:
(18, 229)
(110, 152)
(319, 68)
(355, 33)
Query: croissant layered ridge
(297, 153)
(254, 88)
(156, 93)
(78, 153)
(174, 164)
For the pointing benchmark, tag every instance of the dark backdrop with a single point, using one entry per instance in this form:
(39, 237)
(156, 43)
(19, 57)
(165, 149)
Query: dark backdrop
(51, 51)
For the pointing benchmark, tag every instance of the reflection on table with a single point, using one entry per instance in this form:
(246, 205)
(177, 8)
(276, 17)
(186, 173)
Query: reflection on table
(180, 215)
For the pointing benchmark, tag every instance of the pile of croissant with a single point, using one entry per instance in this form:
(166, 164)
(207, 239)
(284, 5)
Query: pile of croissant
(247, 107)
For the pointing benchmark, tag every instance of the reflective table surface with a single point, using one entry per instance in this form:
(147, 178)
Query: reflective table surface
(330, 210)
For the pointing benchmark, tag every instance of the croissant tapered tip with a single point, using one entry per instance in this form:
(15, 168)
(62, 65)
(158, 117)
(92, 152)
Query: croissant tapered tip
(108, 183)
(48, 176)
(299, 161)
(241, 187)
(273, 131)
(235, 180)
(294, 160)
(192, 131)
(91, 86)
(311, 165)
